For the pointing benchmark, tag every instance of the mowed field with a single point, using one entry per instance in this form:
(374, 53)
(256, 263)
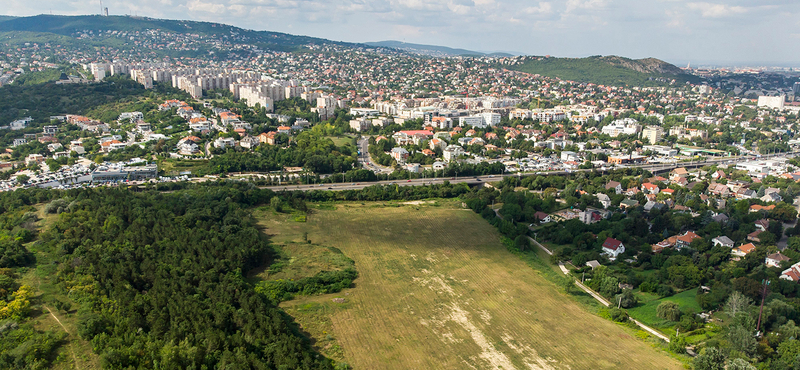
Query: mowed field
(438, 290)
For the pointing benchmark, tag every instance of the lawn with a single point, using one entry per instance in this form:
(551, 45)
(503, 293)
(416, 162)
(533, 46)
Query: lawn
(438, 290)
(648, 302)
(341, 141)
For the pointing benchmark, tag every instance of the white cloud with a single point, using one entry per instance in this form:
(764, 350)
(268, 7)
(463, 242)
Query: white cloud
(711, 10)
(543, 8)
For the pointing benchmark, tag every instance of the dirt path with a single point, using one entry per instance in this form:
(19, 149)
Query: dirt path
(606, 303)
(72, 352)
(543, 248)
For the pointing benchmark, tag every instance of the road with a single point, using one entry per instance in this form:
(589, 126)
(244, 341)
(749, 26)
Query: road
(366, 159)
(369, 164)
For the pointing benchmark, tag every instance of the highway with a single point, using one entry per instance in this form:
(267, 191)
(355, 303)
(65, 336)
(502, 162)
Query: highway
(472, 180)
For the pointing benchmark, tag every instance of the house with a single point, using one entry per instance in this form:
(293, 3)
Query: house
(743, 250)
(664, 244)
(452, 152)
(775, 259)
(650, 205)
(628, 203)
(593, 264)
(111, 145)
(267, 137)
(685, 240)
(792, 273)
(762, 224)
(719, 189)
(438, 166)
(718, 175)
(650, 188)
(754, 236)
(758, 207)
(604, 200)
(399, 154)
(720, 218)
(722, 241)
(678, 173)
(284, 130)
(614, 185)
(613, 248)
(249, 142)
(428, 152)
(542, 217)
(435, 142)
(771, 197)
(224, 142)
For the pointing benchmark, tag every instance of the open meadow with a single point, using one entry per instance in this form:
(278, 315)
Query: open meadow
(437, 289)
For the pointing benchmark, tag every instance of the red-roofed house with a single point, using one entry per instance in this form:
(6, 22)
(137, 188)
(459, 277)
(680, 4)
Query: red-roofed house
(613, 248)
(792, 273)
(685, 240)
(650, 188)
(743, 250)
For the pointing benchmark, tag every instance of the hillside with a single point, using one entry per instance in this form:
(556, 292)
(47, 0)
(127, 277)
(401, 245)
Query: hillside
(74, 25)
(605, 70)
(431, 50)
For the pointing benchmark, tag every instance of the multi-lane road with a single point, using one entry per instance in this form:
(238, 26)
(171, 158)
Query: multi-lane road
(657, 167)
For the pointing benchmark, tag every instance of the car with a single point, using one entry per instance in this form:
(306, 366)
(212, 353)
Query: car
(358, 183)
(490, 176)
(408, 181)
(329, 188)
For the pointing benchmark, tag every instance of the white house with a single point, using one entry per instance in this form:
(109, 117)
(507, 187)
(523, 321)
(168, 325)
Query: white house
(452, 152)
(775, 259)
(723, 241)
(224, 142)
(613, 248)
(604, 200)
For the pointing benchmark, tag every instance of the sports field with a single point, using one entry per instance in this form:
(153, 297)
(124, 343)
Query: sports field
(438, 290)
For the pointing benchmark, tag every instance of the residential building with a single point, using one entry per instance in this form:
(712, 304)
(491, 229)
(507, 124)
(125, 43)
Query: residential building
(743, 250)
(652, 134)
(613, 248)
(451, 152)
(723, 241)
(775, 259)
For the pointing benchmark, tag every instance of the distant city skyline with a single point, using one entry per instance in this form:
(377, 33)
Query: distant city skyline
(737, 32)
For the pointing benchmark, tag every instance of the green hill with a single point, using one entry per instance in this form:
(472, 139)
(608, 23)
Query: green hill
(431, 50)
(605, 70)
(74, 25)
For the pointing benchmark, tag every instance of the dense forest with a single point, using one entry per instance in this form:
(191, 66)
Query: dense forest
(160, 280)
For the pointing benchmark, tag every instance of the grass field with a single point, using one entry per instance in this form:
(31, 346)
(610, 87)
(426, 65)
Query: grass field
(648, 302)
(438, 290)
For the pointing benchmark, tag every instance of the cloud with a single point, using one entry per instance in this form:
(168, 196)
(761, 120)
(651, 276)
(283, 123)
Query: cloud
(682, 29)
(711, 10)
(542, 8)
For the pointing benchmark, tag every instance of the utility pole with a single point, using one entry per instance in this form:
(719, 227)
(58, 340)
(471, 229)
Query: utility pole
(761, 311)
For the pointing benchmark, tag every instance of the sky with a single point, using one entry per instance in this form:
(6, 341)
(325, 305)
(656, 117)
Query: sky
(731, 32)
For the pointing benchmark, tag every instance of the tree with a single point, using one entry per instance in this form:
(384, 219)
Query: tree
(710, 358)
(740, 364)
(742, 340)
(23, 179)
(276, 204)
(736, 304)
(627, 299)
(668, 310)
(522, 242)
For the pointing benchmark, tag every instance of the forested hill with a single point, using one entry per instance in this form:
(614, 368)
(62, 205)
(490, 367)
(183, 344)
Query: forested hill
(605, 70)
(74, 25)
